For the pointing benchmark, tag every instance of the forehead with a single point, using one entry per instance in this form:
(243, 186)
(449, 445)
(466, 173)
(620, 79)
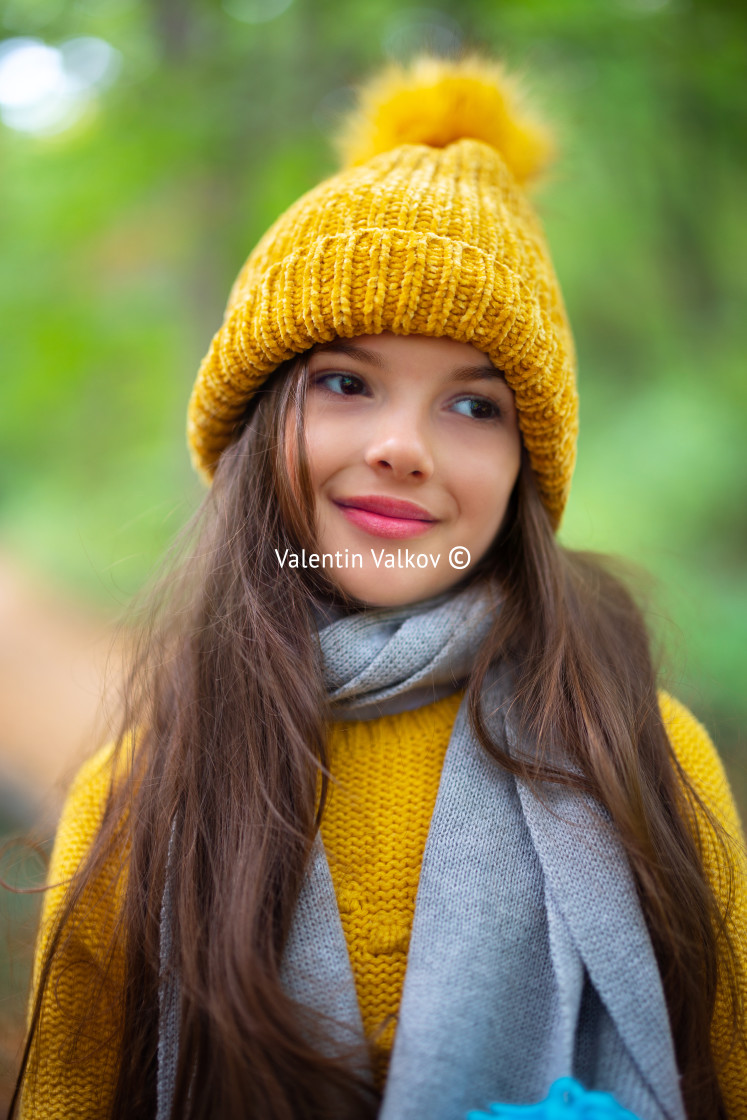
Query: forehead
(388, 351)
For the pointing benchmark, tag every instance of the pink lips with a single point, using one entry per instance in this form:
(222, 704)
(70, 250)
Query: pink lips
(386, 517)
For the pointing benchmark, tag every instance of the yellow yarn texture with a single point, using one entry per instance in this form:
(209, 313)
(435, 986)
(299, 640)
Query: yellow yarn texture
(386, 773)
(700, 761)
(431, 236)
(74, 1063)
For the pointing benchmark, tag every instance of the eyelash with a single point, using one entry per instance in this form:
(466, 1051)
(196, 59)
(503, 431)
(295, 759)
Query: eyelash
(324, 378)
(495, 411)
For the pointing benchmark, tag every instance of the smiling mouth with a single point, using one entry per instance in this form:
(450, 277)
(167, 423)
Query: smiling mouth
(386, 517)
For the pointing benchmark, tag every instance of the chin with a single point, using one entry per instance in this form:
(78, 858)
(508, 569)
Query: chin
(383, 592)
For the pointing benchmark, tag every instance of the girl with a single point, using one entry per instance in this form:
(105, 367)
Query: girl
(396, 823)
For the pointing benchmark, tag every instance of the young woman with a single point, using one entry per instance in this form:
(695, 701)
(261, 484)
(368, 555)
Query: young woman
(397, 823)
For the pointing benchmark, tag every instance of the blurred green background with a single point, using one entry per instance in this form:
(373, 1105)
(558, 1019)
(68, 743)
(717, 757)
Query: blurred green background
(146, 145)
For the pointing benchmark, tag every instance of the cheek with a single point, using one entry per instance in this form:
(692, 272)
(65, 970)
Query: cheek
(330, 443)
(320, 445)
(486, 482)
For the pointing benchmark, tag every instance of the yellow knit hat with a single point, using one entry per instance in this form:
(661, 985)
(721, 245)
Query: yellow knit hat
(426, 230)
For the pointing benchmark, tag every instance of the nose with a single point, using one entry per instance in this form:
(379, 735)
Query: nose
(400, 447)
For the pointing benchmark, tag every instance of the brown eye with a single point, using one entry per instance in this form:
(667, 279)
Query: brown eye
(344, 384)
(477, 408)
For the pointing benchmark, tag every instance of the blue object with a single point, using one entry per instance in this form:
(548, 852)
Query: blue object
(567, 1100)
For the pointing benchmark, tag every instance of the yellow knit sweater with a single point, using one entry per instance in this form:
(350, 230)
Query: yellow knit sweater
(386, 775)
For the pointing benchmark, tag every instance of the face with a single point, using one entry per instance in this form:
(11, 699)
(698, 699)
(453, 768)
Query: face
(413, 448)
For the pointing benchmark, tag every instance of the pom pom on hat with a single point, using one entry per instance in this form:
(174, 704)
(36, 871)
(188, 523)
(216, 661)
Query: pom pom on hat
(437, 101)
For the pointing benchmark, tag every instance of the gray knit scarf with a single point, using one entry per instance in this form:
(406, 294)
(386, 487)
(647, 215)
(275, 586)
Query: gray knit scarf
(529, 958)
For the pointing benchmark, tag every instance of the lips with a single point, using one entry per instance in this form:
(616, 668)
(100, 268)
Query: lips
(386, 517)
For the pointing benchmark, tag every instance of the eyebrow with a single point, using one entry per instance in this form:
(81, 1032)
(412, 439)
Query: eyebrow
(461, 373)
(338, 347)
(482, 373)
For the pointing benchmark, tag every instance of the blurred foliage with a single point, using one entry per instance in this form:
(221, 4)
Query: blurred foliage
(122, 233)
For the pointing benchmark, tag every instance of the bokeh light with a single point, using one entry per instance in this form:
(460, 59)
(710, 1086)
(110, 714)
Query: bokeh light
(46, 89)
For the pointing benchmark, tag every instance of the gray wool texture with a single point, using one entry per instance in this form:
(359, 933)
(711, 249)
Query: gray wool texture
(529, 958)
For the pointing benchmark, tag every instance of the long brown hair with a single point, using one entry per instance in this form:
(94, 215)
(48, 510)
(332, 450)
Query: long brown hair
(223, 740)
